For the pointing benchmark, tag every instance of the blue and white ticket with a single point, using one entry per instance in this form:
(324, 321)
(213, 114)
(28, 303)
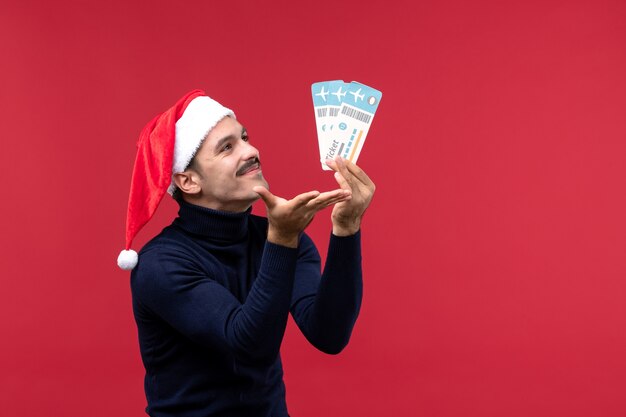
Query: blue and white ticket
(343, 115)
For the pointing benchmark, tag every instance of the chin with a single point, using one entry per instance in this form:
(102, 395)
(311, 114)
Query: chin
(263, 182)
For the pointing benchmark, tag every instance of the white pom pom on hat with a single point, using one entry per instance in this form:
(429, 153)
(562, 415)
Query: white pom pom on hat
(166, 146)
(127, 259)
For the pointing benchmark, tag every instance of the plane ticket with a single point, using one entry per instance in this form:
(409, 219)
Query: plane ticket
(343, 115)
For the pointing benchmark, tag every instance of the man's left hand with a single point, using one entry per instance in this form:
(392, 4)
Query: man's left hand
(347, 215)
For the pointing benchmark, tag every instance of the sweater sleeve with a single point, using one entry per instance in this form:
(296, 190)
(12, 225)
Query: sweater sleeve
(326, 308)
(171, 285)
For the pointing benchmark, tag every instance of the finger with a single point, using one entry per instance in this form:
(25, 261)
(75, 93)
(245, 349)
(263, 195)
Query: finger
(339, 192)
(330, 197)
(320, 204)
(336, 200)
(342, 181)
(340, 163)
(268, 198)
(304, 198)
(331, 164)
(358, 173)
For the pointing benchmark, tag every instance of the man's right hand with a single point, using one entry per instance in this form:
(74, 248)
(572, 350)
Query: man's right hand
(288, 218)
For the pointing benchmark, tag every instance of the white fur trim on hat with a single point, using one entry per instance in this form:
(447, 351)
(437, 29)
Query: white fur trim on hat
(200, 116)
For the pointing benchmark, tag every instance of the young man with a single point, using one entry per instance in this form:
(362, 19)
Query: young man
(212, 292)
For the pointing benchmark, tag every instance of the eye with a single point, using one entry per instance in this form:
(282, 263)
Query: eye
(227, 147)
(244, 138)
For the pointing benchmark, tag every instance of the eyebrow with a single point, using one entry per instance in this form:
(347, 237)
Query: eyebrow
(220, 142)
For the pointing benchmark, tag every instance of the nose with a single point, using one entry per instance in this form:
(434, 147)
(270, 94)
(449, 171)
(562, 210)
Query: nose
(249, 151)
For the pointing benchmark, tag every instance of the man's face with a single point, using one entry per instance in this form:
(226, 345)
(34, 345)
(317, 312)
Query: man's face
(228, 167)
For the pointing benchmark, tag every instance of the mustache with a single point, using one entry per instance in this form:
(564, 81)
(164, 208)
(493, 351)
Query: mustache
(248, 164)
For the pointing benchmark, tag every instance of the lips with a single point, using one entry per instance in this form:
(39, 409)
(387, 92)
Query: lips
(252, 168)
(249, 167)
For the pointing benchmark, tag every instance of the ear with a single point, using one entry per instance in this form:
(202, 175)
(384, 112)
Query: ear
(188, 182)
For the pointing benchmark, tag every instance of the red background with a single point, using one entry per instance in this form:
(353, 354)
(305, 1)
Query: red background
(495, 246)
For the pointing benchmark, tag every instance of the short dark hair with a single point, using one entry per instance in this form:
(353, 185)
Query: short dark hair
(177, 194)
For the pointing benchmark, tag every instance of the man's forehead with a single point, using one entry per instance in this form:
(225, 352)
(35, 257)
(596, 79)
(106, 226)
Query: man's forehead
(226, 127)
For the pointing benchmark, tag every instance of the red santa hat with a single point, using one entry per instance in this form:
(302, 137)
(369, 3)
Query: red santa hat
(165, 147)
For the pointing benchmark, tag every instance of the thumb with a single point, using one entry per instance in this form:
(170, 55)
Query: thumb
(268, 198)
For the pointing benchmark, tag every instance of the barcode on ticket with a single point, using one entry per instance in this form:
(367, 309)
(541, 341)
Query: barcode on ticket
(356, 114)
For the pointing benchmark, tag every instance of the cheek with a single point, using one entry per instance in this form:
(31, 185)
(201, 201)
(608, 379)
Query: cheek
(224, 170)
(224, 177)
(228, 167)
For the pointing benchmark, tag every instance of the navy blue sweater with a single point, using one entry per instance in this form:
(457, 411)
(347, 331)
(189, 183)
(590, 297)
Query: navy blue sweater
(211, 298)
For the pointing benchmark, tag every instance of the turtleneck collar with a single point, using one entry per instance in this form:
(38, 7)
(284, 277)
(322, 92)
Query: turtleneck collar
(214, 224)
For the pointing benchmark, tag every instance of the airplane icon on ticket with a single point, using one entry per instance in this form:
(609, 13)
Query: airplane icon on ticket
(322, 94)
(338, 94)
(357, 95)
